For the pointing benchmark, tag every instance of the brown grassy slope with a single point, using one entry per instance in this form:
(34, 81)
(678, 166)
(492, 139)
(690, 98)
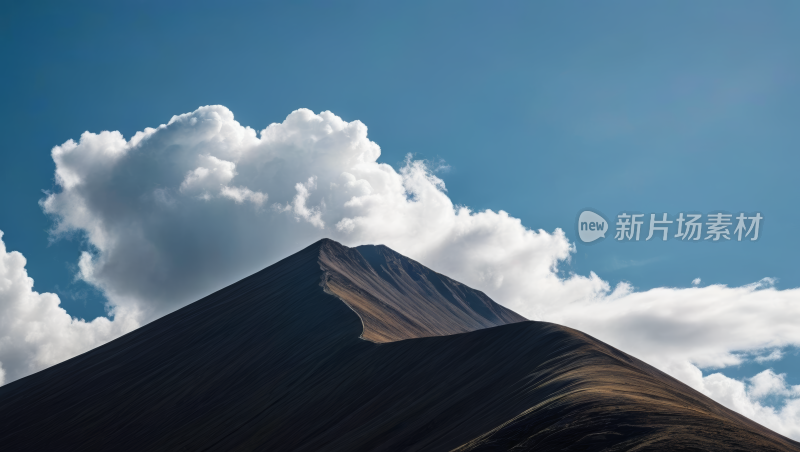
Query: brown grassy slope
(599, 398)
(398, 298)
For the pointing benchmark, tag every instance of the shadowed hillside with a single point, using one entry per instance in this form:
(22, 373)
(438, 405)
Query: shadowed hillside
(275, 362)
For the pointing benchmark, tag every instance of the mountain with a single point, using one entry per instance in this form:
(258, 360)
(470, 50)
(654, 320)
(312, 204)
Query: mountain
(361, 349)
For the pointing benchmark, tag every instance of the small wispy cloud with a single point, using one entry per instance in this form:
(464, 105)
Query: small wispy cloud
(776, 355)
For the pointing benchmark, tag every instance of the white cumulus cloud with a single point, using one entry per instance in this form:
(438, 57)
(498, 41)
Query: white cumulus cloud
(170, 217)
(35, 332)
(747, 397)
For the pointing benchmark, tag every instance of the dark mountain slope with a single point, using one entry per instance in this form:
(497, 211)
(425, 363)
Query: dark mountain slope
(274, 363)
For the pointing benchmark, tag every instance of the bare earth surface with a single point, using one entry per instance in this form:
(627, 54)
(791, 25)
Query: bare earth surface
(275, 362)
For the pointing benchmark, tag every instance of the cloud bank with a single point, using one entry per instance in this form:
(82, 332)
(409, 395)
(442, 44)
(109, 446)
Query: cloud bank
(186, 208)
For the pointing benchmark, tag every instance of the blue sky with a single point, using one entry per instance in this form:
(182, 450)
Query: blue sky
(540, 110)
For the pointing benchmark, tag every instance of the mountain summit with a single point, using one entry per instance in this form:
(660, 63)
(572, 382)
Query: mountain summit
(361, 349)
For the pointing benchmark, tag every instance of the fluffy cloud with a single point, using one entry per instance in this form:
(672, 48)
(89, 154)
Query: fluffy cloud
(207, 179)
(681, 330)
(709, 327)
(180, 210)
(746, 397)
(775, 355)
(35, 332)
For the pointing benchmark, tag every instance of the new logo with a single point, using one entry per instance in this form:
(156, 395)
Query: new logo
(591, 226)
